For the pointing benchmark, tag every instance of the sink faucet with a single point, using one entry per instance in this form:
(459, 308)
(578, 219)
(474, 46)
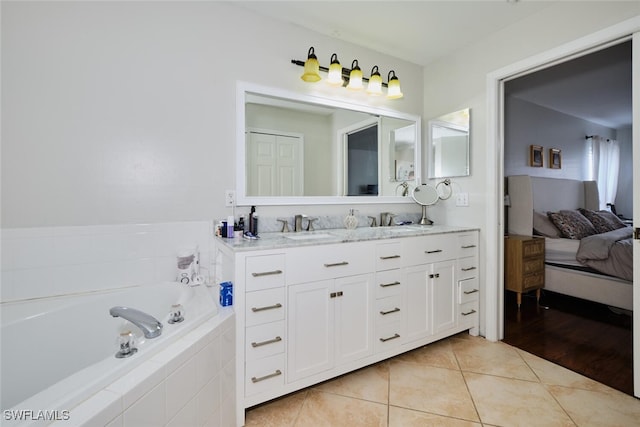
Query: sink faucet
(386, 218)
(298, 223)
(149, 325)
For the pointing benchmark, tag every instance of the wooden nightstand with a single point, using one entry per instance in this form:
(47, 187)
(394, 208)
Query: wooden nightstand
(523, 265)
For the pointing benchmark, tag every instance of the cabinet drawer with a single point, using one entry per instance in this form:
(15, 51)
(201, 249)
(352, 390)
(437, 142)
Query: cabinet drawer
(467, 267)
(531, 266)
(424, 250)
(533, 280)
(264, 272)
(388, 283)
(264, 374)
(388, 336)
(264, 306)
(329, 262)
(388, 256)
(389, 310)
(468, 291)
(469, 313)
(264, 340)
(467, 244)
(533, 248)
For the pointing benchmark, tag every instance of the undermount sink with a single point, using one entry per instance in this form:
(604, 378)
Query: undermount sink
(308, 236)
(399, 229)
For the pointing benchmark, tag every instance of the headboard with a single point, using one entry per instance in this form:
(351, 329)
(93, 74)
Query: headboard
(529, 193)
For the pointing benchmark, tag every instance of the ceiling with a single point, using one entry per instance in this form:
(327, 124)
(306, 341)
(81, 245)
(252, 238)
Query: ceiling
(447, 26)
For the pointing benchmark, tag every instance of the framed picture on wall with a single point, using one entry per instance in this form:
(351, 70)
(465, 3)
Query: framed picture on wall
(555, 158)
(535, 156)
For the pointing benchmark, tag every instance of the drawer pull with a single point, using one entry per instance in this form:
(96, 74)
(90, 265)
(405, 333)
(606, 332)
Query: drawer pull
(269, 307)
(390, 338)
(271, 341)
(468, 246)
(468, 268)
(468, 313)
(266, 377)
(266, 273)
(395, 310)
(335, 294)
(337, 264)
(473, 291)
(390, 257)
(433, 252)
(385, 285)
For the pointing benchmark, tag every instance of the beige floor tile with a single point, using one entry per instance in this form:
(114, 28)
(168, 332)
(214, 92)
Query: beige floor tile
(430, 389)
(326, 409)
(493, 358)
(552, 374)
(401, 417)
(281, 412)
(593, 408)
(438, 354)
(512, 402)
(370, 383)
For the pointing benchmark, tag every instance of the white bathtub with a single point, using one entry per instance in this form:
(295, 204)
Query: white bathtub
(57, 352)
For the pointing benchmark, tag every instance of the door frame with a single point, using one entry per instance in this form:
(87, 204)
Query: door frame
(494, 281)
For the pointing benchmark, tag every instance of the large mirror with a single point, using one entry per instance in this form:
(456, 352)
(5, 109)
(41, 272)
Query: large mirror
(449, 138)
(301, 149)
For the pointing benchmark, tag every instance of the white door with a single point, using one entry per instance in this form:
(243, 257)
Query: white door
(274, 165)
(444, 296)
(354, 323)
(310, 321)
(418, 317)
(636, 213)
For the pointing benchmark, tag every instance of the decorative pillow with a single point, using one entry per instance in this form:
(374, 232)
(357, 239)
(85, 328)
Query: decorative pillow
(543, 226)
(602, 221)
(572, 224)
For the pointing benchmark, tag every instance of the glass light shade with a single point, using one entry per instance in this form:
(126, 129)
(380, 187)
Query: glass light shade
(335, 72)
(311, 68)
(375, 82)
(393, 91)
(355, 77)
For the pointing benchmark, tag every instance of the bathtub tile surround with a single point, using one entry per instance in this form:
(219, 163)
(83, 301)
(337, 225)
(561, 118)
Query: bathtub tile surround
(174, 388)
(49, 261)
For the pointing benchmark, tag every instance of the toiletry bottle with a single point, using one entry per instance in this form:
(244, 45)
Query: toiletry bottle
(251, 213)
(240, 228)
(255, 225)
(350, 221)
(230, 226)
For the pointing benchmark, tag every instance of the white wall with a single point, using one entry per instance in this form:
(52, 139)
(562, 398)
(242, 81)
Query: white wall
(527, 124)
(124, 112)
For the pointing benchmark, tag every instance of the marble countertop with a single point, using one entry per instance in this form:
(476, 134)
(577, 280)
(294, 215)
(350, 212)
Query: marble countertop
(337, 235)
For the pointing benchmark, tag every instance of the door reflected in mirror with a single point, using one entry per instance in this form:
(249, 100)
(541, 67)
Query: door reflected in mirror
(449, 141)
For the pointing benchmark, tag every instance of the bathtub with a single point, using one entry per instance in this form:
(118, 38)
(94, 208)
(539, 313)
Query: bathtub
(58, 352)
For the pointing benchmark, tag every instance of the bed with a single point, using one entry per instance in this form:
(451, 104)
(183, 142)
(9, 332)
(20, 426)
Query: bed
(530, 198)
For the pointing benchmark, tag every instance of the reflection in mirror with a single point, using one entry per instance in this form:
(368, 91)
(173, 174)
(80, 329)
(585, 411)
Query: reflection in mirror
(425, 195)
(449, 137)
(299, 149)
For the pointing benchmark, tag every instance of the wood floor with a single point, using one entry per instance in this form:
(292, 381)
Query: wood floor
(585, 337)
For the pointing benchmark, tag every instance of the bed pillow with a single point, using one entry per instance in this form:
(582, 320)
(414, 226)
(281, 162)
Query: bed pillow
(543, 226)
(603, 221)
(572, 224)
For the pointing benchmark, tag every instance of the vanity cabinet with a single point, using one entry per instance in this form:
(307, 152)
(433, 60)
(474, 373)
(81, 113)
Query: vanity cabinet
(314, 312)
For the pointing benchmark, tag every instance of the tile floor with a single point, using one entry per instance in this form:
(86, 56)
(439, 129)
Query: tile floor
(459, 381)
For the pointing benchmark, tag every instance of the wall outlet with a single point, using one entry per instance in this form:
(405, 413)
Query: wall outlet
(462, 199)
(230, 198)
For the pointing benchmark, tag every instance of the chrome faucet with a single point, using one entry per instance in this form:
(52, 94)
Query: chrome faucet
(298, 223)
(386, 218)
(148, 324)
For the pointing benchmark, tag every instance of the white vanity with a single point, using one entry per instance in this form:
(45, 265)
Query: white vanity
(314, 306)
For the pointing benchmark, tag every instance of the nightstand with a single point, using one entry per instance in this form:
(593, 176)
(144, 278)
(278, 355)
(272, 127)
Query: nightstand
(523, 265)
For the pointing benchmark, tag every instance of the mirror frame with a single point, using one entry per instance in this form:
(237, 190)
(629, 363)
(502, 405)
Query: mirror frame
(242, 88)
(431, 154)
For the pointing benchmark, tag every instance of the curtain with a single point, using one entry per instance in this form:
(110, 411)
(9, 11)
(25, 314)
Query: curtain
(605, 163)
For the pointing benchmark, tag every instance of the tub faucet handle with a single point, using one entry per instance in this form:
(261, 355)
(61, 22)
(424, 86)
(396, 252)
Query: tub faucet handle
(285, 225)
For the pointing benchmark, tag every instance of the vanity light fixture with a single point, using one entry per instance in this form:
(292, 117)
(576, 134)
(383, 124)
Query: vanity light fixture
(394, 91)
(375, 82)
(334, 77)
(350, 78)
(311, 68)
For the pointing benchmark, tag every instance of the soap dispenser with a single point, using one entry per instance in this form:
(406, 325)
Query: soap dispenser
(350, 221)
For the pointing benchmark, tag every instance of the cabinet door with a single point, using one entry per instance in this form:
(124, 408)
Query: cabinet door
(418, 316)
(444, 296)
(354, 317)
(311, 327)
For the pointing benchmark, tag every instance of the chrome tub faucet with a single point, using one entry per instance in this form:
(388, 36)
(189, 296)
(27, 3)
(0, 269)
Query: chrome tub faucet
(148, 324)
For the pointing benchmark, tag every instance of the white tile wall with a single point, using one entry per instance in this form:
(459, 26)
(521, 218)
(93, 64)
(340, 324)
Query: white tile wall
(48, 261)
(188, 384)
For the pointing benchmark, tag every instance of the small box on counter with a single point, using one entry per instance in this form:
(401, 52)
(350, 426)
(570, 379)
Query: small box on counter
(226, 294)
